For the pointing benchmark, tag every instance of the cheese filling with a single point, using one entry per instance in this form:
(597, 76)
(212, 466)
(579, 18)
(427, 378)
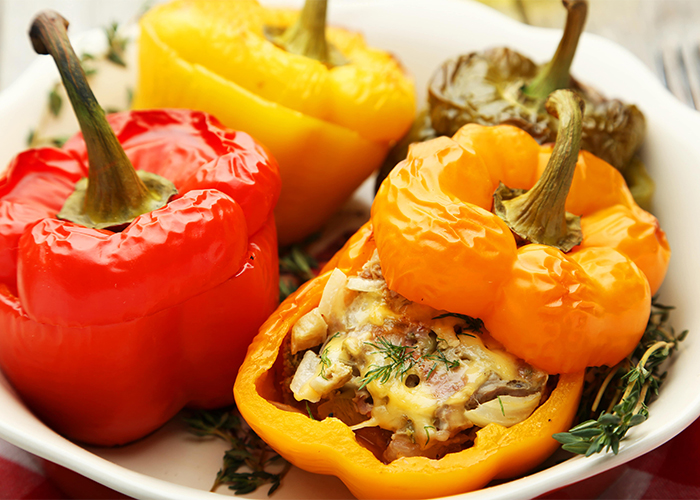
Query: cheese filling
(430, 378)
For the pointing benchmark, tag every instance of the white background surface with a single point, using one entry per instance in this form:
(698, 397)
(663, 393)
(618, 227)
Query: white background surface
(639, 25)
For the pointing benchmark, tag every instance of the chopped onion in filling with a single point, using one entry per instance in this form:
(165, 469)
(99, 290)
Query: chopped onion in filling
(375, 359)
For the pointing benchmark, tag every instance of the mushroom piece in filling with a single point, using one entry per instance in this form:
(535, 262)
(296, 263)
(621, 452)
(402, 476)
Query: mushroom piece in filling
(372, 358)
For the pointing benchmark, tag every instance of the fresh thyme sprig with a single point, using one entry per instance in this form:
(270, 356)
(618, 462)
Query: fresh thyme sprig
(624, 390)
(247, 449)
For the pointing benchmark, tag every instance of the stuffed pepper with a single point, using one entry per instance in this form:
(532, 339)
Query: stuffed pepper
(445, 343)
(127, 294)
(326, 105)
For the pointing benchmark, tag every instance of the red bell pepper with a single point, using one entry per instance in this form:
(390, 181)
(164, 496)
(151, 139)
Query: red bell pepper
(108, 333)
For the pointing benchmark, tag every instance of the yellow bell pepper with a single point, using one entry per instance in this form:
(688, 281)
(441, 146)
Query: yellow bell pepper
(328, 126)
(329, 446)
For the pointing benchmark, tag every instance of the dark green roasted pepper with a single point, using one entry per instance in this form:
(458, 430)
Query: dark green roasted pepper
(502, 86)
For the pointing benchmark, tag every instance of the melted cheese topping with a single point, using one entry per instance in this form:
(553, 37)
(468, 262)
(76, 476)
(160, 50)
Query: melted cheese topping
(421, 375)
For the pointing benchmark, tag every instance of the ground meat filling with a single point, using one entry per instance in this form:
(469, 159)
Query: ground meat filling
(424, 379)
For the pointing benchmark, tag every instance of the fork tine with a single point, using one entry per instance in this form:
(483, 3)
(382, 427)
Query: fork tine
(675, 72)
(690, 57)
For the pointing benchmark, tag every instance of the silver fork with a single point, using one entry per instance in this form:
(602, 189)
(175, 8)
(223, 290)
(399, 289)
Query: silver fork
(673, 37)
(679, 67)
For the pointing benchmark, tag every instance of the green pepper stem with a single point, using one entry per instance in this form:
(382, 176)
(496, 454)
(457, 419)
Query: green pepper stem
(539, 215)
(115, 194)
(307, 36)
(555, 74)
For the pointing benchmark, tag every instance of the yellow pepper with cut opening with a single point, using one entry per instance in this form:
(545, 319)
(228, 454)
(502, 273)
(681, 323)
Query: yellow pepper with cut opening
(329, 446)
(329, 122)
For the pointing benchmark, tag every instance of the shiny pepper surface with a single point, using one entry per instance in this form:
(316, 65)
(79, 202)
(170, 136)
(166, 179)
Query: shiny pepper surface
(107, 335)
(328, 127)
(440, 245)
(330, 447)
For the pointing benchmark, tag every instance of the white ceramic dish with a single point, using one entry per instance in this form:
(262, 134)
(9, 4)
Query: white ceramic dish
(172, 464)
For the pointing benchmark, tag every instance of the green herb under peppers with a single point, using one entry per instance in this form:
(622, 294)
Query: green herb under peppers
(247, 450)
(619, 395)
(296, 267)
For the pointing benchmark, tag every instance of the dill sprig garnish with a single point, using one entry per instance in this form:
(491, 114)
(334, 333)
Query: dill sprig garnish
(400, 359)
(438, 356)
(325, 360)
(624, 390)
(503, 410)
(247, 449)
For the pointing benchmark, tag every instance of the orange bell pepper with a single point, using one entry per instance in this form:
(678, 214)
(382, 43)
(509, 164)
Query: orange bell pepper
(330, 447)
(440, 245)
(559, 290)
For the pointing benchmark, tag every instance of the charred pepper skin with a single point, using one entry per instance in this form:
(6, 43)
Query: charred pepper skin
(484, 88)
(329, 446)
(106, 335)
(500, 86)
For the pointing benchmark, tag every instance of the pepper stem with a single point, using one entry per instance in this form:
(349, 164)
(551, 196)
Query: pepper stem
(307, 36)
(114, 193)
(539, 215)
(555, 74)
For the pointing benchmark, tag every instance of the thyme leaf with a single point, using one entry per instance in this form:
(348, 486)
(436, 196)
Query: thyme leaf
(55, 101)
(624, 390)
(59, 140)
(247, 450)
(116, 44)
(85, 60)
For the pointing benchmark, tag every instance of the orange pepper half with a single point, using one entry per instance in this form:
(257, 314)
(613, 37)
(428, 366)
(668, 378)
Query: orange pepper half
(440, 245)
(330, 447)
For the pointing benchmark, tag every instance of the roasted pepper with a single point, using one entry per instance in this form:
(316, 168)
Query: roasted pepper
(502, 86)
(327, 111)
(556, 310)
(329, 446)
(111, 324)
